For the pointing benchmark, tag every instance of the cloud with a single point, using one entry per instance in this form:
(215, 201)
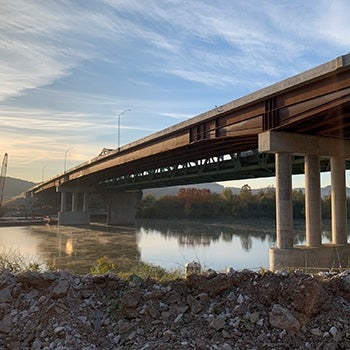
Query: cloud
(41, 42)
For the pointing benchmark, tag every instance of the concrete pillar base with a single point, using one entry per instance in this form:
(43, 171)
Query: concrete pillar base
(74, 218)
(327, 256)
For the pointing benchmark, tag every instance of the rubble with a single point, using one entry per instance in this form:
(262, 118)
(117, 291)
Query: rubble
(215, 311)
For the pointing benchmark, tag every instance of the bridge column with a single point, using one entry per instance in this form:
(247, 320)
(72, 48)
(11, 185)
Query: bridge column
(75, 216)
(86, 201)
(122, 207)
(313, 218)
(284, 206)
(338, 195)
(314, 254)
(63, 201)
(75, 201)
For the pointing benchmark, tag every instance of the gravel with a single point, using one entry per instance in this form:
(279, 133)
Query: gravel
(219, 311)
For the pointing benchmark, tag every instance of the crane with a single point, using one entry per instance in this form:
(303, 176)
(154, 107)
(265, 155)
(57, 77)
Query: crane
(3, 177)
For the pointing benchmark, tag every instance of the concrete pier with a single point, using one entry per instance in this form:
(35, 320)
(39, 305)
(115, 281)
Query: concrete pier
(122, 207)
(314, 254)
(313, 217)
(72, 214)
(284, 207)
(338, 196)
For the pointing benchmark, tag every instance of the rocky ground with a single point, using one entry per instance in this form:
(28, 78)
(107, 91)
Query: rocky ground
(234, 310)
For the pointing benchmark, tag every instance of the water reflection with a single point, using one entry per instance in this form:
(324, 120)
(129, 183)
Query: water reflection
(190, 233)
(77, 248)
(170, 244)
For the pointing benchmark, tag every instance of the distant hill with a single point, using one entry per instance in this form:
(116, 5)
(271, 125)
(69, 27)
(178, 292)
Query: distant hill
(216, 188)
(326, 191)
(14, 187)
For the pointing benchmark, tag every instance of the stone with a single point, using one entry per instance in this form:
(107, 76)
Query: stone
(218, 323)
(195, 305)
(240, 299)
(193, 267)
(6, 324)
(317, 332)
(333, 331)
(283, 319)
(210, 273)
(60, 288)
(5, 295)
(201, 314)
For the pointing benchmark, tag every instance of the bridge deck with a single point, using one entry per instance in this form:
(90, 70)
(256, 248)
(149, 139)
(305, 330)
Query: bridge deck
(316, 102)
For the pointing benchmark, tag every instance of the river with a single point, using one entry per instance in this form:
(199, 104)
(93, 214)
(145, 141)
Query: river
(169, 244)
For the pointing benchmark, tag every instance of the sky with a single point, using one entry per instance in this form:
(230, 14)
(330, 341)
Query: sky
(68, 69)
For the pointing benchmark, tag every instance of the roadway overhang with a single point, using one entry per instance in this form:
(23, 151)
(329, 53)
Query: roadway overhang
(301, 144)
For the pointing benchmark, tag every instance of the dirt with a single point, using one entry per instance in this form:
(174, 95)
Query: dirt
(233, 310)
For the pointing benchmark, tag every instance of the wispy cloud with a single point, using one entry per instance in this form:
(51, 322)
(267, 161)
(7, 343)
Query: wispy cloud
(67, 68)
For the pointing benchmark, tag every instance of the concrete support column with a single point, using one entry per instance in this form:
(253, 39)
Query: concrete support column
(74, 215)
(338, 194)
(63, 201)
(313, 216)
(122, 207)
(75, 196)
(284, 206)
(86, 201)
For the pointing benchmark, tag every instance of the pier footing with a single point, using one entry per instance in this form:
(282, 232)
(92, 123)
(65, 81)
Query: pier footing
(327, 256)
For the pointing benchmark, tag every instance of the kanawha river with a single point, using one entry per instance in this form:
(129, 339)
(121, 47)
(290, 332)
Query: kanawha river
(169, 244)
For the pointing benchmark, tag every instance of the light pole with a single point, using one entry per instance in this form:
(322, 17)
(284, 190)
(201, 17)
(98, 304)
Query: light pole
(119, 115)
(42, 173)
(65, 158)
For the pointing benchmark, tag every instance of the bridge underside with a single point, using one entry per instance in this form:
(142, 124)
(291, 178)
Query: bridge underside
(244, 165)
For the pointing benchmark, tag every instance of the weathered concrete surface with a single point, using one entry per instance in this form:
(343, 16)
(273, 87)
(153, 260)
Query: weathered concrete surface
(74, 217)
(326, 256)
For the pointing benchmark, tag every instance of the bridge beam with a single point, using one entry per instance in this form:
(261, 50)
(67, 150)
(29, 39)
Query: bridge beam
(122, 206)
(77, 213)
(313, 254)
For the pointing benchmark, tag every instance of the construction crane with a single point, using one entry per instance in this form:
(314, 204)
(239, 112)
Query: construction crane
(3, 177)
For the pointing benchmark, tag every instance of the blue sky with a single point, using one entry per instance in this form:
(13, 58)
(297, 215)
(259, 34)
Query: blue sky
(68, 68)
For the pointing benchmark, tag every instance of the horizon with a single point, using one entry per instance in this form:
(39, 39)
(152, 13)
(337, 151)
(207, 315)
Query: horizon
(71, 69)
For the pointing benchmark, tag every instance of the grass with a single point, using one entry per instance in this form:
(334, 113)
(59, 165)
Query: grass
(142, 270)
(15, 261)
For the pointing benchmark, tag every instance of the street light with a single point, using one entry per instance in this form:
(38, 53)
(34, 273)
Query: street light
(42, 173)
(65, 158)
(119, 115)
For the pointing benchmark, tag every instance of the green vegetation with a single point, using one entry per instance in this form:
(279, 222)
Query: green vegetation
(16, 262)
(142, 270)
(201, 203)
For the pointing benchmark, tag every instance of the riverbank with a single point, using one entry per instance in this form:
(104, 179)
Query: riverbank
(234, 310)
(23, 221)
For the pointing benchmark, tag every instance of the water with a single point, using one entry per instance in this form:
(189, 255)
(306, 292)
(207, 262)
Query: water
(169, 244)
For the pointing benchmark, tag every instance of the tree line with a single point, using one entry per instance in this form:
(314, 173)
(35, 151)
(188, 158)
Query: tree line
(202, 203)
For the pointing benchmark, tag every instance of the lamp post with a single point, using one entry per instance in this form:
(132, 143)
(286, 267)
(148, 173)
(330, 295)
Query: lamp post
(119, 115)
(65, 158)
(42, 173)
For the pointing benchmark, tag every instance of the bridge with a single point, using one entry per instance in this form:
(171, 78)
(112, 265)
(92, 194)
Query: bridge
(299, 125)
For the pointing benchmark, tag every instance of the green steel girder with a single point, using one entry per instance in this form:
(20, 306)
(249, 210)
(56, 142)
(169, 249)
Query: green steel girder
(245, 165)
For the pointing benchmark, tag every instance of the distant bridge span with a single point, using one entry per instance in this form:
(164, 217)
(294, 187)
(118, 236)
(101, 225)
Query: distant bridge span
(301, 124)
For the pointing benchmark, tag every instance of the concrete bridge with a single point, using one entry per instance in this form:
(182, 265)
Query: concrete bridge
(299, 125)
